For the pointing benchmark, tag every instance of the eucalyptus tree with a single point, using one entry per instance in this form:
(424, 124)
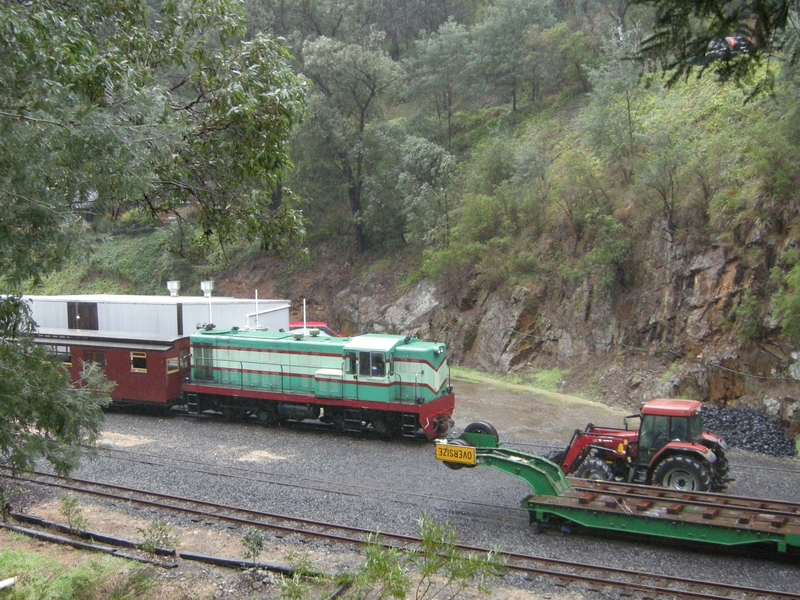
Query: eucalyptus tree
(351, 82)
(113, 104)
(440, 71)
(500, 51)
(428, 174)
(612, 121)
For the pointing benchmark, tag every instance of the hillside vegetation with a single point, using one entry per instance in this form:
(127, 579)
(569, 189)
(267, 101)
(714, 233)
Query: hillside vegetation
(495, 147)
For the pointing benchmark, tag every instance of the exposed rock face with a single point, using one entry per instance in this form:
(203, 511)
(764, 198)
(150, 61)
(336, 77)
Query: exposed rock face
(671, 331)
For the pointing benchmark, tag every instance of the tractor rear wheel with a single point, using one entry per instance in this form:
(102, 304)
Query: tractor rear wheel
(683, 473)
(594, 467)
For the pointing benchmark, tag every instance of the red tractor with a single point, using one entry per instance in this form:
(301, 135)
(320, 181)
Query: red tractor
(669, 449)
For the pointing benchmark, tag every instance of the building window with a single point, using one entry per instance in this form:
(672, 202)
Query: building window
(138, 362)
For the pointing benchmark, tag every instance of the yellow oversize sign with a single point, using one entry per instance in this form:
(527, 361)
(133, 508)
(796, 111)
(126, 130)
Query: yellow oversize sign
(464, 455)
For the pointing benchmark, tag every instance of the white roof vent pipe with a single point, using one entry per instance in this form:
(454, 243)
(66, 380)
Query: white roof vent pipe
(207, 287)
(174, 287)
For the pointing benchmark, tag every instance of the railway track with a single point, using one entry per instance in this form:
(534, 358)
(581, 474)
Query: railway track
(595, 577)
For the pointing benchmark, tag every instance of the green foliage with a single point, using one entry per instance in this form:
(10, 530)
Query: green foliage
(123, 264)
(383, 574)
(444, 568)
(297, 587)
(41, 415)
(107, 577)
(786, 300)
(750, 317)
(683, 29)
(157, 535)
(439, 568)
(73, 513)
(607, 259)
(548, 379)
(253, 542)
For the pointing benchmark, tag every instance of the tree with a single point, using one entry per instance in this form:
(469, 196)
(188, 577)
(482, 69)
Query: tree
(612, 121)
(440, 70)
(500, 51)
(106, 105)
(104, 110)
(41, 415)
(427, 174)
(559, 59)
(351, 81)
(683, 30)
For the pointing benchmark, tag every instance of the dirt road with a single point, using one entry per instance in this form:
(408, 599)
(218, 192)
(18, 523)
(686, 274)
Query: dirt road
(525, 413)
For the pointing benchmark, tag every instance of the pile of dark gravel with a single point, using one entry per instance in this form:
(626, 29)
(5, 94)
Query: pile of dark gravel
(749, 429)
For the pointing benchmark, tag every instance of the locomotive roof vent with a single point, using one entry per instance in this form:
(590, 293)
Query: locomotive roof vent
(313, 332)
(298, 335)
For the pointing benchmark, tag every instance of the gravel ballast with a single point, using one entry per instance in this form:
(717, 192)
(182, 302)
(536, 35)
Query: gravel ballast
(389, 485)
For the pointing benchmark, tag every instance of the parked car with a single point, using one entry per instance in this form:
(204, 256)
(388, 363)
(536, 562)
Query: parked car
(321, 325)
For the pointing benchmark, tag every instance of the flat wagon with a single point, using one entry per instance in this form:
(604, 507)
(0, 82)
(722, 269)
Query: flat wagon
(627, 508)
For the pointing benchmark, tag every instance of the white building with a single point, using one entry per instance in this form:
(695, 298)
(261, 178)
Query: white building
(162, 315)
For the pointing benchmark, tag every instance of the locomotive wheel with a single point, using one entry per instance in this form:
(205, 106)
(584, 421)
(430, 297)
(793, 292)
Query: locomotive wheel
(683, 473)
(481, 427)
(595, 468)
(452, 465)
(384, 426)
(267, 417)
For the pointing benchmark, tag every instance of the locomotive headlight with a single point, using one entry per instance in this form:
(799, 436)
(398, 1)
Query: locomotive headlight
(440, 351)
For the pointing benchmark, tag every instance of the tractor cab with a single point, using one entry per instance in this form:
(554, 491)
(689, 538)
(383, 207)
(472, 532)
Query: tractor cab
(665, 421)
(669, 448)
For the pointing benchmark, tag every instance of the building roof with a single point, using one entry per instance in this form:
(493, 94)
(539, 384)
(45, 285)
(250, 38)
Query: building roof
(133, 299)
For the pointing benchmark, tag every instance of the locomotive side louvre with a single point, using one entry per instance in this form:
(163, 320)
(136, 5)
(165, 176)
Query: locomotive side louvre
(393, 382)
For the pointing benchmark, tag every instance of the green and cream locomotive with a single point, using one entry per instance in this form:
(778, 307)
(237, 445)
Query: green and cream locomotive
(392, 384)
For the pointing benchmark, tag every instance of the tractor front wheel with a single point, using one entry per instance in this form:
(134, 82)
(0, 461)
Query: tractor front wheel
(683, 473)
(594, 468)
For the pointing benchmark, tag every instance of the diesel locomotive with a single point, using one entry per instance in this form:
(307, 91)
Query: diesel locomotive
(394, 385)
